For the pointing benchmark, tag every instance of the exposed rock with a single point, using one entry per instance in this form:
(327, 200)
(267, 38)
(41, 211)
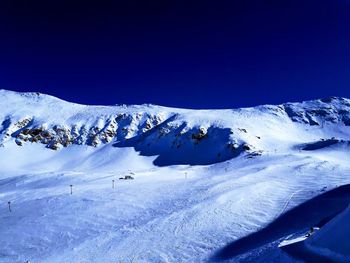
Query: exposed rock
(246, 147)
(242, 130)
(54, 145)
(21, 124)
(151, 130)
(254, 154)
(200, 135)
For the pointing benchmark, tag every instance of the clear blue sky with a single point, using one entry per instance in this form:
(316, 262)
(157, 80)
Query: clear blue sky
(194, 54)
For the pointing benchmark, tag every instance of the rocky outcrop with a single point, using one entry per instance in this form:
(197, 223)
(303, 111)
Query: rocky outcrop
(156, 130)
(316, 113)
(200, 135)
(55, 136)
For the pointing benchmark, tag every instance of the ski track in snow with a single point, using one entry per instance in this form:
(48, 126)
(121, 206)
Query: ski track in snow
(159, 217)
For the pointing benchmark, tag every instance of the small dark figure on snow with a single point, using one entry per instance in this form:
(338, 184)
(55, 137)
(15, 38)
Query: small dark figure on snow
(312, 230)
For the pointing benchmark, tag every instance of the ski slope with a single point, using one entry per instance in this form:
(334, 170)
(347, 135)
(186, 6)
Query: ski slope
(234, 173)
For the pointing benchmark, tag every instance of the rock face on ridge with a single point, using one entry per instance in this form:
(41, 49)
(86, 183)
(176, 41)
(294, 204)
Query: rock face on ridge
(188, 136)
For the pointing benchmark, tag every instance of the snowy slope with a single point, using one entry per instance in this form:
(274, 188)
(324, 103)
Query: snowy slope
(333, 240)
(175, 136)
(203, 178)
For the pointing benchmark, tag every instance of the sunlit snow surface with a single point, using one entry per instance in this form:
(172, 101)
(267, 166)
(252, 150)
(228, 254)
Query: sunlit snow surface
(177, 213)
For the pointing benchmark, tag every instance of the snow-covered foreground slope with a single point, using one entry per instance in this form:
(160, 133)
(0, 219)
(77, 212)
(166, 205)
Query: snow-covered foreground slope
(333, 240)
(203, 179)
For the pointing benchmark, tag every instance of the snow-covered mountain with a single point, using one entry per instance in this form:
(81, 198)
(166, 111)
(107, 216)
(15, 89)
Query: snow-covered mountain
(175, 136)
(204, 179)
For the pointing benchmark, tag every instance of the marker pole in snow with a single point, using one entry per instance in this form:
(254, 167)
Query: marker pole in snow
(185, 175)
(113, 184)
(71, 189)
(9, 203)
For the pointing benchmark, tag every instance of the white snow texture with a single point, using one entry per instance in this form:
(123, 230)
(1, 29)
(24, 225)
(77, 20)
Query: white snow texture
(203, 181)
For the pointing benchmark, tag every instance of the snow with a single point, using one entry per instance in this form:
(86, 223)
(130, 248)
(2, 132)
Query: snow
(184, 205)
(292, 241)
(333, 240)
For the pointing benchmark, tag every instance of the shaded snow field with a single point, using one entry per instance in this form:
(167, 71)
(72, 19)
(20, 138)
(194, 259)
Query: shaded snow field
(170, 214)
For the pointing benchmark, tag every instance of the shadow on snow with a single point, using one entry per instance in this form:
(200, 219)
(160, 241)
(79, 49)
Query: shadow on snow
(315, 212)
(180, 145)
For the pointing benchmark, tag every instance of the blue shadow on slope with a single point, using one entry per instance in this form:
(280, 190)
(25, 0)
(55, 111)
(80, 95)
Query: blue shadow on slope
(299, 251)
(182, 145)
(320, 144)
(315, 212)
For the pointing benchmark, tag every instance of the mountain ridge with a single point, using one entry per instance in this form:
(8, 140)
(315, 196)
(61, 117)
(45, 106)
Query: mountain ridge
(34, 94)
(209, 135)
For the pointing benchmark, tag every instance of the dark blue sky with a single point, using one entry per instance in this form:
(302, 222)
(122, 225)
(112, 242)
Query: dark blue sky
(195, 54)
